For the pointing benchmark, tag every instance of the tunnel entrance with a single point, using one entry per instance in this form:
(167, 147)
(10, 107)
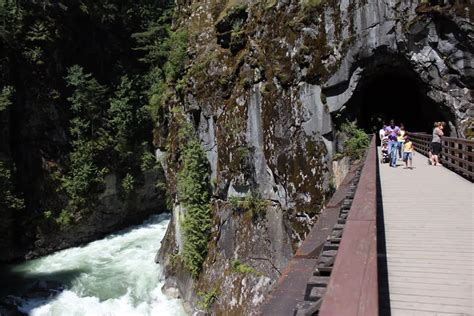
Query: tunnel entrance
(394, 94)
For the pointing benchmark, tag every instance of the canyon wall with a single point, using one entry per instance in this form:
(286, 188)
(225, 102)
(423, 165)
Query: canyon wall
(267, 88)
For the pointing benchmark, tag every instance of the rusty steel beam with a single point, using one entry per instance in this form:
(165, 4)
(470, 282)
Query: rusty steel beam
(292, 285)
(353, 286)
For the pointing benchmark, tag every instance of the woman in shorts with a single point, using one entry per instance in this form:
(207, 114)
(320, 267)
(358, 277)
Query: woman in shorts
(436, 143)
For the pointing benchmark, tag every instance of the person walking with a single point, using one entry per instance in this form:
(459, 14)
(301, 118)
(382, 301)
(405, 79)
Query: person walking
(401, 140)
(430, 150)
(408, 152)
(382, 133)
(392, 132)
(436, 143)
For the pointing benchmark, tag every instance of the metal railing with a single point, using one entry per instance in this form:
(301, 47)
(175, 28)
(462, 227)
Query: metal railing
(457, 154)
(353, 286)
(302, 286)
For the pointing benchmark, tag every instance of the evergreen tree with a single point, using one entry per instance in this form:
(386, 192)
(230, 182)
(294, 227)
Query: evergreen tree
(8, 198)
(128, 121)
(109, 131)
(5, 98)
(89, 138)
(88, 104)
(193, 190)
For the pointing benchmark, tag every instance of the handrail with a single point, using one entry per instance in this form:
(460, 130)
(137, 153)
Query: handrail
(296, 282)
(353, 285)
(457, 154)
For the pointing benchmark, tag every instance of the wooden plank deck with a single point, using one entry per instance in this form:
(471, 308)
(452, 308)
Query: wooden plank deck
(429, 224)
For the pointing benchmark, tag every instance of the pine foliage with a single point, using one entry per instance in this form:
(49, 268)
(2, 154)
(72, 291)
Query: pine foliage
(193, 190)
(9, 200)
(71, 76)
(5, 97)
(88, 102)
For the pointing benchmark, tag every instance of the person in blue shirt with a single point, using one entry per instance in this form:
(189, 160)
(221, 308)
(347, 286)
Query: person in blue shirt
(392, 131)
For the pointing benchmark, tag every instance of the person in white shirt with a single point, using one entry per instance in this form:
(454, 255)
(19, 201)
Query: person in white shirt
(382, 133)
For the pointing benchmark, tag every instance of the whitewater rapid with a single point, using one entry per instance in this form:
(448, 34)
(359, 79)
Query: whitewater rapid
(113, 276)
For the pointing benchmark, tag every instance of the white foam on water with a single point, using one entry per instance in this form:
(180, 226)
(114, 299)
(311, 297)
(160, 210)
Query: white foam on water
(113, 276)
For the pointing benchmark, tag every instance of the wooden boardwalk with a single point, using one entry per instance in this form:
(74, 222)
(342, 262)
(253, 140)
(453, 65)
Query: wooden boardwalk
(428, 223)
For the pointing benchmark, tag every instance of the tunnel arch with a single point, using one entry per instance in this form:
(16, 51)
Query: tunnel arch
(389, 88)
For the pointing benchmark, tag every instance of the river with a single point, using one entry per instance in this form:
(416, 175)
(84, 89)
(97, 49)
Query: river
(113, 276)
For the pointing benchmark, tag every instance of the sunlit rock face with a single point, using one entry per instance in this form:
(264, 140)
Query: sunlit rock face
(267, 85)
(432, 43)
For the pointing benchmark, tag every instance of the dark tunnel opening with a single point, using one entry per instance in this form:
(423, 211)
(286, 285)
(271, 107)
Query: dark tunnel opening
(394, 94)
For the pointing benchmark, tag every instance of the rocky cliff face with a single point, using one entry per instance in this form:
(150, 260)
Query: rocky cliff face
(268, 84)
(432, 42)
(246, 255)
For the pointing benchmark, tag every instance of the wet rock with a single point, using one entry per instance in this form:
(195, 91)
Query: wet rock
(10, 310)
(44, 288)
(171, 291)
(40, 290)
(9, 306)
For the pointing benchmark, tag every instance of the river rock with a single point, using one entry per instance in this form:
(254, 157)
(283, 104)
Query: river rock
(44, 289)
(8, 307)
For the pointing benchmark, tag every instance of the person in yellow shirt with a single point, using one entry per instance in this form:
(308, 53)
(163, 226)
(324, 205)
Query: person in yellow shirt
(400, 140)
(408, 152)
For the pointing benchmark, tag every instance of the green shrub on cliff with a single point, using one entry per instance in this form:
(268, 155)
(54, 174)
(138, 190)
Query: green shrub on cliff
(207, 298)
(196, 226)
(5, 97)
(165, 52)
(243, 268)
(128, 183)
(310, 4)
(148, 161)
(252, 203)
(64, 219)
(167, 60)
(193, 178)
(176, 46)
(8, 199)
(193, 192)
(357, 140)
